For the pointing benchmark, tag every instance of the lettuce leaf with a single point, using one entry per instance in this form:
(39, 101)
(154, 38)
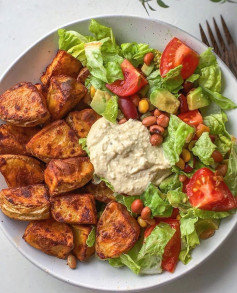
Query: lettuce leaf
(231, 175)
(135, 52)
(178, 132)
(152, 250)
(82, 142)
(194, 77)
(178, 199)
(159, 207)
(91, 238)
(223, 102)
(126, 200)
(204, 148)
(189, 238)
(204, 214)
(170, 183)
(210, 78)
(100, 31)
(111, 109)
(207, 58)
(173, 79)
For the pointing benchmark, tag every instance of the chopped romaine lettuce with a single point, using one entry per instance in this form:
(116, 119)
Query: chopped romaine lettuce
(170, 183)
(173, 80)
(204, 214)
(111, 109)
(152, 198)
(178, 199)
(194, 77)
(178, 132)
(82, 142)
(204, 148)
(207, 58)
(231, 175)
(91, 238)
(126, 200)
(210, 78)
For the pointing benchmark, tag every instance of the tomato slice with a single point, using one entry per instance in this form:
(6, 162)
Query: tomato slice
(173, 247)
(132, 83)
(207, 194)
(192, 118)
(177, 53)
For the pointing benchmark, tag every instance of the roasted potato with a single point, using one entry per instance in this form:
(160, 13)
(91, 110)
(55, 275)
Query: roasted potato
(80, 234)
(63, 94)
(51, 237)
(21, 170)
(69, 174)
(55, 141)
(117, 231)
(83, 74)
(23, 105)
(82, 121)
(100, 191)
(74, 209)
(26, 203)
(13, 138)
(42, 88)
(63, 63)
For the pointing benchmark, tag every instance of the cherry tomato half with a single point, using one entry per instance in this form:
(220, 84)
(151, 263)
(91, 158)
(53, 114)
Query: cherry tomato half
(132, 83)
(177, 53)
(207, 194)
(193, 118)
(173, 247)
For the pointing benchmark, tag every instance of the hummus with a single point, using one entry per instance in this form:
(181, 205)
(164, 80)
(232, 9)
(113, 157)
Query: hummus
(122, 154)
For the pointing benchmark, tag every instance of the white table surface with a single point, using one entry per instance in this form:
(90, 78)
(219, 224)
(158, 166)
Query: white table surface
(22, 22)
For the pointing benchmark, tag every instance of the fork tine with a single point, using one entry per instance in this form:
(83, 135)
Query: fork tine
(203, 36)
(213, 40)
(222, 43)
(232, 46)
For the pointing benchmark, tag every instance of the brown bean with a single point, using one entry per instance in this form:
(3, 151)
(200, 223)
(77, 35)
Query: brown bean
(151, 222)
(217, 156)
(157, 113)
(137, 206)
(182, 178)
(122, 121)
(157, 129)
(72, 261)
(156, 139)
(222, 169)
(163, 120)
(146, 213)
(187, 86)
(148, 58)
(148, 121)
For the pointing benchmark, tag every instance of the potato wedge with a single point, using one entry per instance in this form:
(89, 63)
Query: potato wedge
(82, 121)
(23, 105)
(117, 231)
(55, 141)
(63, 94)
(63, 63)
(21, 170)
(50, 237)
(74, 209)
(69, 174)
(42, 88)
(26, 203)
(80, 234)
(83, 74)
(100, 191)
(13, 138)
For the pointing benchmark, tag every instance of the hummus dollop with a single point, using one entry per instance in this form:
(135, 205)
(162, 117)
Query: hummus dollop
(122, 154)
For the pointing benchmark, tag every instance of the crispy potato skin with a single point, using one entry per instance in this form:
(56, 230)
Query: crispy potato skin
(83, 74)
(42, 88)
(100, 191)
(55, 141)
(63, 94)
(50, 237)
(63, 63)
(69, 174)
(13, 138)
(80, 235)
(74, 209)
(26, 203)
(117, 231)
(23, 105)
(21, 170)
(81, 121)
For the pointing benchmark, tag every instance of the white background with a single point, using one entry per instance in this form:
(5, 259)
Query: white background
(22, 22)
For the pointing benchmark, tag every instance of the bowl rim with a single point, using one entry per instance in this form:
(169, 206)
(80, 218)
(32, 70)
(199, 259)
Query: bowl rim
(55, 275)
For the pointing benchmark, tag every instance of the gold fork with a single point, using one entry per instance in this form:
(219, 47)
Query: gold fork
(226, 50)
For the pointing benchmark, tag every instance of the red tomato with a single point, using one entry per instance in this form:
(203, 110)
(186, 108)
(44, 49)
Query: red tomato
(193, 118)
(128, 108)
(132, 83)
(177, 53)
(207, 194)
(173, 247)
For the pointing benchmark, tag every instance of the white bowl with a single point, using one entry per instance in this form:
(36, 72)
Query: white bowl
(98, 274)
